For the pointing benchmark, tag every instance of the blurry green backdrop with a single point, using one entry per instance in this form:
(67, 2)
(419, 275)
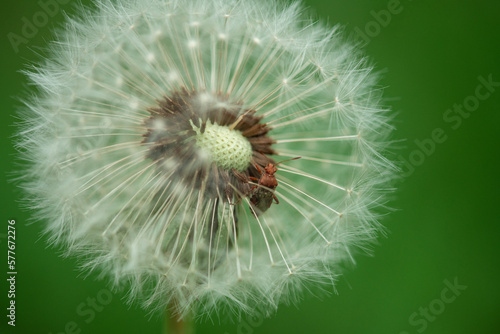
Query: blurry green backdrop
(438, 269)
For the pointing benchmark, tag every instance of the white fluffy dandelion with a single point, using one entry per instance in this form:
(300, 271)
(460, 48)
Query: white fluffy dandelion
(148, 138)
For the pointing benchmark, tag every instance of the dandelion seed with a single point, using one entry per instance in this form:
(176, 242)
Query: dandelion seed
(143, 140)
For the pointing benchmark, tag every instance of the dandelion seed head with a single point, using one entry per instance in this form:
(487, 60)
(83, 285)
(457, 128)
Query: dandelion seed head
(147, 139)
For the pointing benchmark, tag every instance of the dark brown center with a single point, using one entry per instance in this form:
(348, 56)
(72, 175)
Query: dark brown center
(172, 145)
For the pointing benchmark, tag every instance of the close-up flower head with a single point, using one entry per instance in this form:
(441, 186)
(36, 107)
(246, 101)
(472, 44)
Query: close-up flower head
(206, 156)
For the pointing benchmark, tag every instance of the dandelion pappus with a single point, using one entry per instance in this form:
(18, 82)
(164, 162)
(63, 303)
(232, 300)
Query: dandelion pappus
(262, 195)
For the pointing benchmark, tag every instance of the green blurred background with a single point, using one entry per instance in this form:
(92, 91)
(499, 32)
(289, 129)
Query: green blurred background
(445, 230)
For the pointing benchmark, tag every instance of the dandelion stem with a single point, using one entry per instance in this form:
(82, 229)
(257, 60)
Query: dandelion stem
(175, 324)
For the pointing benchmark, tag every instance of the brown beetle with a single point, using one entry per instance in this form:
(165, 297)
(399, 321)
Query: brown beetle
(263, 193)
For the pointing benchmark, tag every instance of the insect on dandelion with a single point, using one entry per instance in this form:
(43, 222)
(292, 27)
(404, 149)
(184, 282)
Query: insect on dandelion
(150, 130)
